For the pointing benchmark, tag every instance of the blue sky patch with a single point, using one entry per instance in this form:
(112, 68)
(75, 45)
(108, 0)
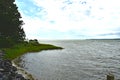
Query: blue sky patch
(29, 8)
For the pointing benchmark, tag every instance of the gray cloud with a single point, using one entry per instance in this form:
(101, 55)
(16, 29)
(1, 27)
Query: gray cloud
(107, 34)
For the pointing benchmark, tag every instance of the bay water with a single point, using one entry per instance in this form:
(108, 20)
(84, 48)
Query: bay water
(79, 60)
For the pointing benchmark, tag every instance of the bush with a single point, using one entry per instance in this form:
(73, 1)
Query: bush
(34, 42)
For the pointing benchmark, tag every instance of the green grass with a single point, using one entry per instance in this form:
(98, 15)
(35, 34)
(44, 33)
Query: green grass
(20, 49)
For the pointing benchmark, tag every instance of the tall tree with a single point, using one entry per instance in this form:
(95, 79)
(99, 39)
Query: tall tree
(11, 30)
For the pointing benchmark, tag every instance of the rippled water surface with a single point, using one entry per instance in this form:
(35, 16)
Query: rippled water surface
(79, 60)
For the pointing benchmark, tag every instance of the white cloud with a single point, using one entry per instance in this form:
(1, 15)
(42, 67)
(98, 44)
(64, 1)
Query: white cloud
(62, 18)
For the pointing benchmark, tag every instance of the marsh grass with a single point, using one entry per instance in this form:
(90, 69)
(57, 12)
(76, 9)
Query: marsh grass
(20, 49)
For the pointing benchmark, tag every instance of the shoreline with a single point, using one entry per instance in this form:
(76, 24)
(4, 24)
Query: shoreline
(7, 70)
(20, 70)
(21, 49)
(10, 56)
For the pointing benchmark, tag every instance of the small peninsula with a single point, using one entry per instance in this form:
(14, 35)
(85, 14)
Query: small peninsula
(25, 47)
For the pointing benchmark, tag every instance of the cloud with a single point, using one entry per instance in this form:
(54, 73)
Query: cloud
(116, 33)
(54, 19)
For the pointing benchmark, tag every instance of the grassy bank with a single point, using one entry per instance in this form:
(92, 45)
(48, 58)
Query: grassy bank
(20, 49)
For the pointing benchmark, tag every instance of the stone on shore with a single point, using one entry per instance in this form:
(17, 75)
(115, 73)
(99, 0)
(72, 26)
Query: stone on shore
(7, 70)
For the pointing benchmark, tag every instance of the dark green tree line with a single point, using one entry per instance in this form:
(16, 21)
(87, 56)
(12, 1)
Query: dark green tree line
(11, 31)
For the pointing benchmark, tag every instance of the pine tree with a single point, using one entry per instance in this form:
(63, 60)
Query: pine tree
(11, 31)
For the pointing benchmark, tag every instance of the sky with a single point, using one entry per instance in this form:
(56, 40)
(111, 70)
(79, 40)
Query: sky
(70, 19)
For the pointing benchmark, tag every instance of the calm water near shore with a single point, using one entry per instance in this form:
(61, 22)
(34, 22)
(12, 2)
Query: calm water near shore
(79, 60)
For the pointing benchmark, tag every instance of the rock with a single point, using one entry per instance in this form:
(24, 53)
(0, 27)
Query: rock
(1, 75)
(1, 54)
(1, 69)
(18, 75)
(7, 70)
(14, 68)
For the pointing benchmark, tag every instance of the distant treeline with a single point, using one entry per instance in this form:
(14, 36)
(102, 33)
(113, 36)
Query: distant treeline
(11, 31)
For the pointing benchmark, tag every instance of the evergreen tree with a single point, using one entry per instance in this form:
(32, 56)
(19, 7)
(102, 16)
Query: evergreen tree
(11, 31)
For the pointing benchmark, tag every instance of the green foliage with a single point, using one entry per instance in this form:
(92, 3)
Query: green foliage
(20, 49)
(11, 31)
(34, 42)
